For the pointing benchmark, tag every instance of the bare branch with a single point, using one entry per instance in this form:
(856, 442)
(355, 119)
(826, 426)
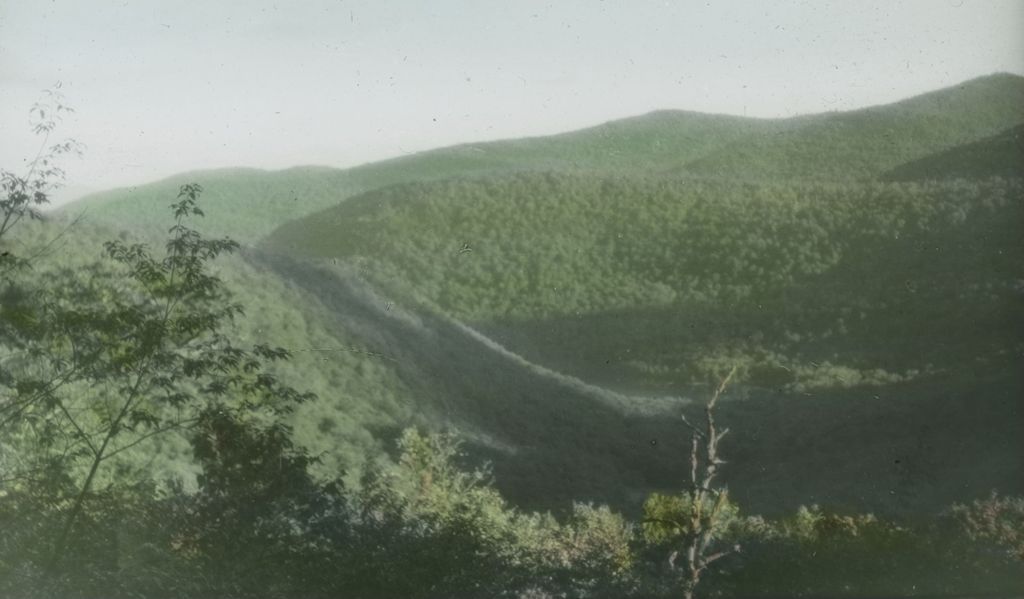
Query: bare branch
(721, 389)
(704, 527)
(694, 464)
(717, 556)
(695, 430)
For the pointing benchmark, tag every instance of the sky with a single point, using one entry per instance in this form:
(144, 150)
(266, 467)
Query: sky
(165, 86)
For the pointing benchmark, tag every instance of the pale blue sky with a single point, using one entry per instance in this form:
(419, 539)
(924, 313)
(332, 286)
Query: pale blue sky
(167, 86)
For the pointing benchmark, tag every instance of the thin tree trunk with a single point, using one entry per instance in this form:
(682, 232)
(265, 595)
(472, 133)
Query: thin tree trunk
(60, 546)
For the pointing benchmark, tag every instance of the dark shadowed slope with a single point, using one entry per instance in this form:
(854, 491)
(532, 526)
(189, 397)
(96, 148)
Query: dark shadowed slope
(997, 156)
(553, 439)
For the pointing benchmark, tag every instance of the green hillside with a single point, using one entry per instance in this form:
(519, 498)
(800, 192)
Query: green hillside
(242, 203)
(360, 391)
(247, 204)
(864, 144)
(683, 272)
(1001, 155)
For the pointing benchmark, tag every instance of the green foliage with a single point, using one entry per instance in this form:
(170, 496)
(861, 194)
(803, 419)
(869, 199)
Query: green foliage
(666, 518)
(993, 525)
(428, 528)
(596, 555)
(259, 525)
(97, 366)
(431, 529)
(117, 553)
(818, 552)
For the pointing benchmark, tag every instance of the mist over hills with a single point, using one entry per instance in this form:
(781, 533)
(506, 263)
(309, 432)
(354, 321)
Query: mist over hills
(558, 300)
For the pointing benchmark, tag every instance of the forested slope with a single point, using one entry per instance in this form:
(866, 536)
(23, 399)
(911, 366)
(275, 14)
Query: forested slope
(672, 276)
(380, 359)
(1001, 155)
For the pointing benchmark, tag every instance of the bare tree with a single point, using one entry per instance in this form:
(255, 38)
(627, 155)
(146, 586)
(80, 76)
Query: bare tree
(706, 501)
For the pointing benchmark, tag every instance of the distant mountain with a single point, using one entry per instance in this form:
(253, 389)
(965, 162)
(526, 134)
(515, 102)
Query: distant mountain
(248, 204)
(1001, 155)
(866, 143)
(243, 203)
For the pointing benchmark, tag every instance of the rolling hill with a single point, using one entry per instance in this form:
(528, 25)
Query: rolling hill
(864, 144)
(248, 204)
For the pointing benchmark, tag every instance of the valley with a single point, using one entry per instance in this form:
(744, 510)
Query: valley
(642, 259)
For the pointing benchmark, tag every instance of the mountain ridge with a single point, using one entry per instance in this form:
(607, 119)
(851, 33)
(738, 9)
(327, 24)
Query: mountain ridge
(696, 144)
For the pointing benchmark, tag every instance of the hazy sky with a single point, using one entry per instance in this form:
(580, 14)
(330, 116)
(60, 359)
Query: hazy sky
(167, 86)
